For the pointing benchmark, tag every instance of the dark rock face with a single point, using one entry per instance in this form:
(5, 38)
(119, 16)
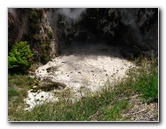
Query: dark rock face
(47, 30)
(16, 24)
(129, 28)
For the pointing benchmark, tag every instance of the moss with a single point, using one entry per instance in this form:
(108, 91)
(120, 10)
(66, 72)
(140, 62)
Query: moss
(42, 44)
(38, 35)
(34, 17)
(46, 50)
(50, 34)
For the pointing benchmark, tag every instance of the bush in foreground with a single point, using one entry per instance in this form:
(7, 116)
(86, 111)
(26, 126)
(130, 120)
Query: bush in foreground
(20, 57)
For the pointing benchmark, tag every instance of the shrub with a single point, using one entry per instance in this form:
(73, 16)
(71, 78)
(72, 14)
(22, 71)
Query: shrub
(20, 57)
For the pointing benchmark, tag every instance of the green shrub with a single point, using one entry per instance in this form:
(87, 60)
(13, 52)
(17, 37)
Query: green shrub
(20, 57)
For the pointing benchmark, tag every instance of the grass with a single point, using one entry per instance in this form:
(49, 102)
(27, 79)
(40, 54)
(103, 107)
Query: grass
(146, 83)
(65, 111)
(107, 105)
(114, 112)
(148, 87)
(17, 91)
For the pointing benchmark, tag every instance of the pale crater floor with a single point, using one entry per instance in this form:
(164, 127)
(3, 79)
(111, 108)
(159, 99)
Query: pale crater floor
(89, 66)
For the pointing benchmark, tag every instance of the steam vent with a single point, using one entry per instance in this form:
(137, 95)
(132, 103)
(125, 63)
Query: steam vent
(78, 52)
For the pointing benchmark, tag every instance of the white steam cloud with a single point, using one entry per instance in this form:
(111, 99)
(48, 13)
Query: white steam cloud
(72, 13)
(128, 19)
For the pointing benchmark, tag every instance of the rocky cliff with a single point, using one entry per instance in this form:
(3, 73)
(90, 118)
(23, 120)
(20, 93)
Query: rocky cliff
(49, 30)
(33, 26)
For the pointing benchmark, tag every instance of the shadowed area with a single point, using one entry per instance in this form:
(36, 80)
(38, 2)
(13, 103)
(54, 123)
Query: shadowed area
(91, 48)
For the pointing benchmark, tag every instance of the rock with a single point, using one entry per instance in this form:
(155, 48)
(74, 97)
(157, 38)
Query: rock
(39, 98)
(48, 85)
(52, 69)
(35, 88)
(32, 25)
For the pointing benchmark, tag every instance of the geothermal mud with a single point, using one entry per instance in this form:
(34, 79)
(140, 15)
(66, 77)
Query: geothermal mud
(81, 66)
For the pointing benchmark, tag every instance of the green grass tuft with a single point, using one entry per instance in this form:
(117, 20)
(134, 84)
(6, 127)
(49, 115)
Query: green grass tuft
(114, 112)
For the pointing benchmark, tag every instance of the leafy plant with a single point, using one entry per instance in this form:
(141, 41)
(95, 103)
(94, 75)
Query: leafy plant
(20, 57)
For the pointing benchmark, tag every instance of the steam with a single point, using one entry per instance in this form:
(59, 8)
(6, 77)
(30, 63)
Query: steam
(129, 20)
(73, 14)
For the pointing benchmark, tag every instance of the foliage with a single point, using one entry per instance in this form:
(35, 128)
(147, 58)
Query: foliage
(148, 87)
(20, 57)
(41, 43)
(18, 85)
(34, 18)
(147, 83)
(114, 113)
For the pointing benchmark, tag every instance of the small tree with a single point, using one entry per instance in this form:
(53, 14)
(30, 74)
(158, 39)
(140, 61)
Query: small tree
(20, 57)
